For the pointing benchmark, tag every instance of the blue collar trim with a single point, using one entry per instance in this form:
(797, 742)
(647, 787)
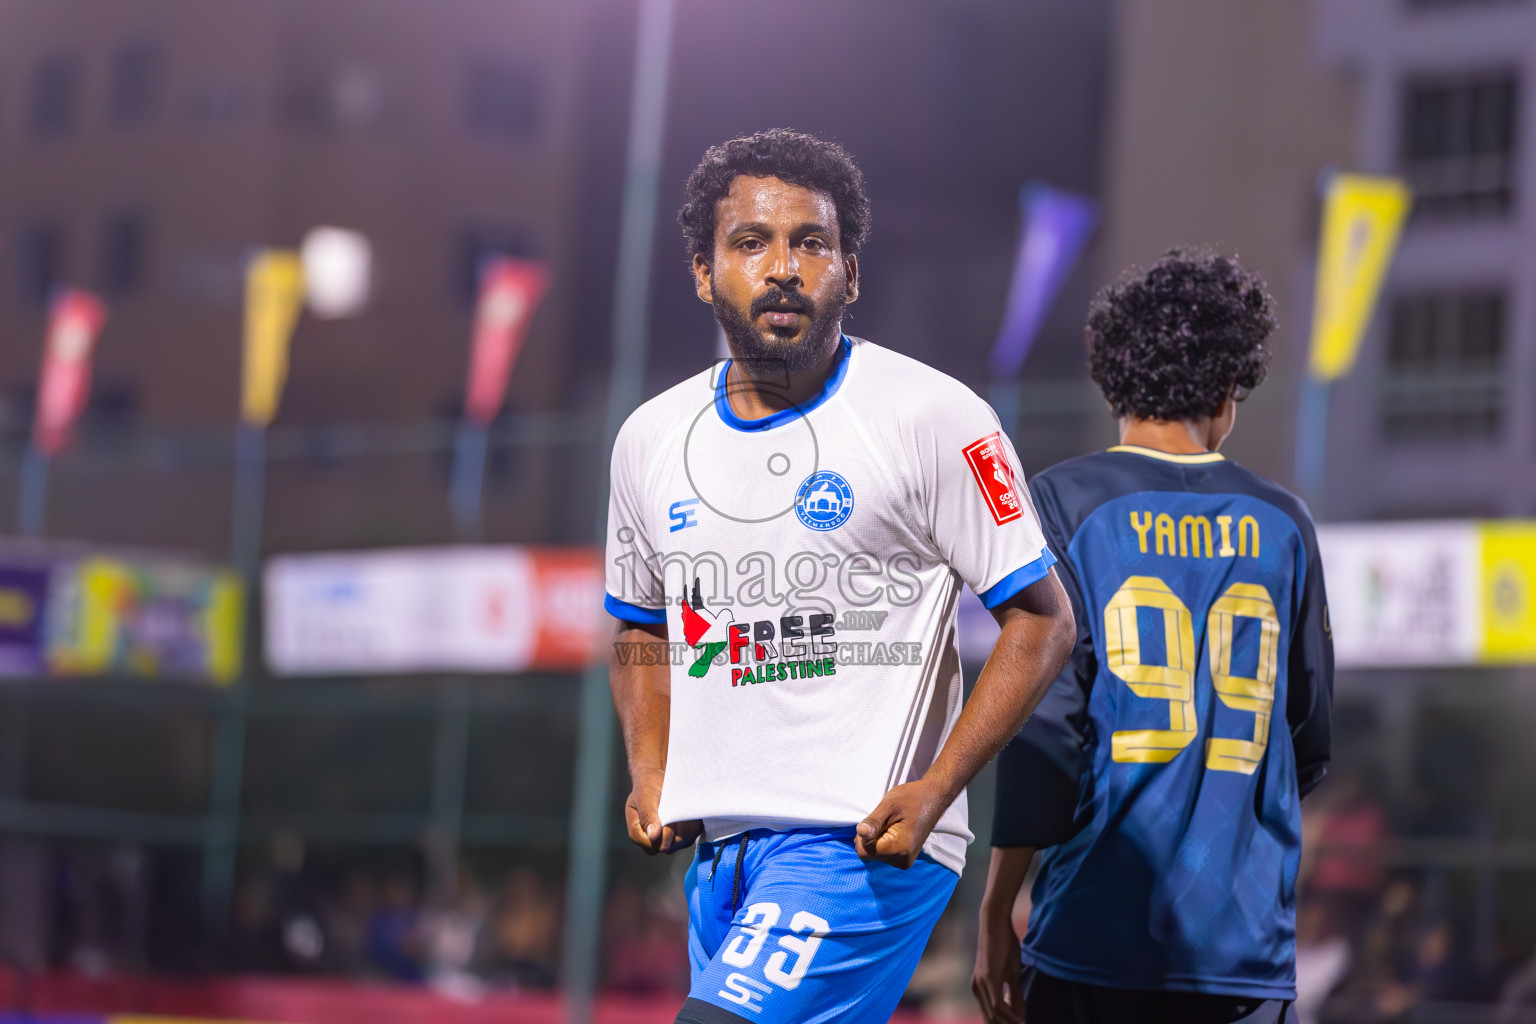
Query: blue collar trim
(828, 389)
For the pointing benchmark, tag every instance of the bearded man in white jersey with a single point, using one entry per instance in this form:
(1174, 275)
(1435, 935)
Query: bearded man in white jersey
(798, 523)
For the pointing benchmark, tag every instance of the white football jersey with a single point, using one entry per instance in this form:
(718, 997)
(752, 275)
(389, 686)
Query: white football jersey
(808, 566)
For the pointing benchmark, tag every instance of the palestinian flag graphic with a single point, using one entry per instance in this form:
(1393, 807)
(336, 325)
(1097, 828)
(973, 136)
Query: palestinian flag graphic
(705, 632)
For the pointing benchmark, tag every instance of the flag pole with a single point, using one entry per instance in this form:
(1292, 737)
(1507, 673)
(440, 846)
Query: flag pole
(586, 871)
(274, 293)
(222, 841)
(33, 499)
(1312, 441)
(468, 484)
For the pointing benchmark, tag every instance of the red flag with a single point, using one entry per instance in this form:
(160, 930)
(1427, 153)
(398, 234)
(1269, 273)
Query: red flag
(510, 291)
(64, 384)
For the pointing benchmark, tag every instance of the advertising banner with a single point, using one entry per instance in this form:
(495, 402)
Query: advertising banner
(1508, 588)
(472, 609)
(1403, 594)
(1438, 593)
(148, 618)
(24, 591)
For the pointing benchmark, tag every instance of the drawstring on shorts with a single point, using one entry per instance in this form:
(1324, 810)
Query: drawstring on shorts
(741, 855)
(715, 864)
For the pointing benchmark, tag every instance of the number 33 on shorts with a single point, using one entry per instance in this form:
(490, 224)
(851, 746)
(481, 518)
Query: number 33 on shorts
(743, 989)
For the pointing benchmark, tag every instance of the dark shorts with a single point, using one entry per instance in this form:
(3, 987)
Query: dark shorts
(1049, 1000)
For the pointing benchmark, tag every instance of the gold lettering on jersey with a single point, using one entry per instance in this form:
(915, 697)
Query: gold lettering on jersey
(1243, 526)
(1191, 528)
(1225, 522)
(1195, 536)
(1141, 529)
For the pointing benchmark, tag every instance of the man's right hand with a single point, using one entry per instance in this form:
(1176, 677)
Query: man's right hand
(995, 982)
(645, 826)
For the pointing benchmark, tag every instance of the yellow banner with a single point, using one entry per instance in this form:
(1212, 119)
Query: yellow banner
(274, 290)
(1509, 592)
(1362, 219)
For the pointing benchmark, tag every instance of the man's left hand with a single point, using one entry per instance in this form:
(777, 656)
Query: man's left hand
(895, 831)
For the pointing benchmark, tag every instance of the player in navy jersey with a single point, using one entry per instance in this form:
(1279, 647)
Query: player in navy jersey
(1161, 777)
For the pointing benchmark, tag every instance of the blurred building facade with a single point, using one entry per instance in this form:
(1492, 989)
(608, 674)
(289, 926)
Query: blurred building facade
(1221, 122)
(1440, 416)
(147, 148)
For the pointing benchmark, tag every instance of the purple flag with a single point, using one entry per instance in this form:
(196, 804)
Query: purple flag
(1056, 227)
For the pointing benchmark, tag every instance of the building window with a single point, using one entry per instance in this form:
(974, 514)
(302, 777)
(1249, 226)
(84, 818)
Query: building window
(54, 100)
(502, 100)
(121, 253)
(39, 263)
(137, 85)
(1444, 355)
(1459, 144)
(212, 105)
(347, 99)
(476, 247)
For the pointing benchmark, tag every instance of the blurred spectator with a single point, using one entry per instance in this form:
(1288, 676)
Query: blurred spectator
(646, 943)
(1373, 989)
(524, 934)
(105, 897)
(452, 934)
(1322, 957)
(394, 939)
(1345, 828)
(1517, 1000)
(1407, 956)
(346, 923)
(940, 986)
(257, 944)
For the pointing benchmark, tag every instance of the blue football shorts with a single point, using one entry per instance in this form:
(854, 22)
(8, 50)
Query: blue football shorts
(794, 927)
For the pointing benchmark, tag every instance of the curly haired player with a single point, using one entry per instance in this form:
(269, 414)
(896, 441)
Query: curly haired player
(1163, 772)
(762, 515)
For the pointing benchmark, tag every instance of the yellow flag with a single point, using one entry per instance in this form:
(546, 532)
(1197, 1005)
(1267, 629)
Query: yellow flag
(274, 290)
(1362, 219)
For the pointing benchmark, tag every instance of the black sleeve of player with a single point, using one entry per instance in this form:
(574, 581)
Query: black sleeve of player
(1309, 705)
(1040, 771)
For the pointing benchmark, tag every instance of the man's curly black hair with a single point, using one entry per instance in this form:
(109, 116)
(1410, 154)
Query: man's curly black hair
(1173, 341)
(790, 156)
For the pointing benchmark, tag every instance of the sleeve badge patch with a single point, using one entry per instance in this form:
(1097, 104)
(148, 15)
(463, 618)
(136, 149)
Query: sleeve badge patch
(989, 465)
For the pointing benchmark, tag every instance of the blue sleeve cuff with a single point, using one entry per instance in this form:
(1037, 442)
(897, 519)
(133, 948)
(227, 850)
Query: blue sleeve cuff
(1017, 580)
(633, 613)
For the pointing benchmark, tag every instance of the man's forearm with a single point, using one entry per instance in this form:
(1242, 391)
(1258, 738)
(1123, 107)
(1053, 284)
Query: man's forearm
(642, 696)
(1037, 637)
(1005, 877)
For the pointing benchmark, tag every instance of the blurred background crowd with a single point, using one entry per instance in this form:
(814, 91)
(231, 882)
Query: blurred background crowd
(232, 743)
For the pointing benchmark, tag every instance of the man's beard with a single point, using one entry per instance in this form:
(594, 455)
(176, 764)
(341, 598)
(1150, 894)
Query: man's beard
(773, 356)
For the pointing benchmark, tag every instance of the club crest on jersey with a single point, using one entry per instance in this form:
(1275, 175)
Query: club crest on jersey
(988, 460)
(824, 501)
